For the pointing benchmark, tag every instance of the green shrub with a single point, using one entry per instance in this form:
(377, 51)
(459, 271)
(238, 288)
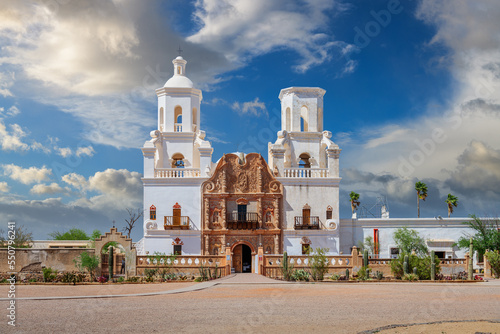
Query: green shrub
(318, 262)
(286, 267)
(87, 262)
(380, 275)
(335, 277)
(133, 279)
(49, 274)
(363, 273)
(150, 274)
(300, 275)
(423, 265)
(410, 277)
(493, 258)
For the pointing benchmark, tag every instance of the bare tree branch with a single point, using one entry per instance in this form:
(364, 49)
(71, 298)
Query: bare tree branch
(133, 217)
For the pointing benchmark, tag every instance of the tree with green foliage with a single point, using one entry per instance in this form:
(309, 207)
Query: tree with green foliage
(21, 237)
(318, 262)
(486, 235)
(87, 262)
(409, 240)
(451, 201)
(421, 189)
(354, 198)
(72, 234)
(493, 258)
(368, 244)
(411, 244)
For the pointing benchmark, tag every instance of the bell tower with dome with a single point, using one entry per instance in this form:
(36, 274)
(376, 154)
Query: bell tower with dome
(177, 160)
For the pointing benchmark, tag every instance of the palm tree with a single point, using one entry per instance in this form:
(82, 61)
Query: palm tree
(354, 201)
(421, 189)
(452, 201)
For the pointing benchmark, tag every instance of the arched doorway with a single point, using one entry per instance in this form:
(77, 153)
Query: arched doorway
(242, 259)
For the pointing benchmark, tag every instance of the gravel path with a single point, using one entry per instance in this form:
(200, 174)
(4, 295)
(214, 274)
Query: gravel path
(253, 307)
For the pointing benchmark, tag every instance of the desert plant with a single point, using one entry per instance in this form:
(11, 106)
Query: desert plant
(493, 258)
(286, 268)
(49, 274)
(318, 262)
(423, 265)
(347, 274)
(363, 273)
(470, 267)
(487, 235)
(300, 275)
(410, 277)
(354, 198)
(87, 262)
(406, 265)
(150, 274)
(102, 279)
(365, 258)
(433, 266)
(335, 277)
(111, 262)
(379, 275)
(451, 201)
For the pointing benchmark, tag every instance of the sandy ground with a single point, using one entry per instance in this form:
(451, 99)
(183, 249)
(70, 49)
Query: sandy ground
(235, 305)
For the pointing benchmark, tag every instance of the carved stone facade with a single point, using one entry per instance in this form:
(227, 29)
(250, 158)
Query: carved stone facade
(242, 203)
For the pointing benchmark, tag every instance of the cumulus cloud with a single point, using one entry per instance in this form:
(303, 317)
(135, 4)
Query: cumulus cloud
(478, 170)
(4, 187)
(87, 150)
(11, 138)
(27, 175)
(12, 111)
(254, 107)
(42, 189)
(244, 29)
(64, 151)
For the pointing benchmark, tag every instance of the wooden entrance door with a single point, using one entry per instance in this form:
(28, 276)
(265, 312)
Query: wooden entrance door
(306, 216)
(238, 258)
(177, 217)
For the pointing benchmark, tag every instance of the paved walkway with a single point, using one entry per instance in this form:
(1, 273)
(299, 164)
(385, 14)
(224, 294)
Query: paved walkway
(231, 279)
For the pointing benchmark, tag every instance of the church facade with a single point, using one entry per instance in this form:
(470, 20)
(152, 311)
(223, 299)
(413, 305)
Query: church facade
(193, 206)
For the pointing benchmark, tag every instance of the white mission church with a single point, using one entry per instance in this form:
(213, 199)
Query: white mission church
(194, 206)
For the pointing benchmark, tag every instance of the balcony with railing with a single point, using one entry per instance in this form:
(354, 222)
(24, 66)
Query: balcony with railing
(307, 223)
(176, 223)
(178, 127)
(177, 172)
(242, 221)
(306, 172)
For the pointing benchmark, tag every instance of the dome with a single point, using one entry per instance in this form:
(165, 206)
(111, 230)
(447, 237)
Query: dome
(179, 81)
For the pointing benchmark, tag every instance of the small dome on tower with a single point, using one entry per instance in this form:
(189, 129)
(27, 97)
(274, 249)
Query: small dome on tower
(179, 79)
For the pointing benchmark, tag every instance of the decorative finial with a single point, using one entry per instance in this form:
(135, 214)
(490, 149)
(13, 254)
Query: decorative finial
(113, 224)
(179, 51)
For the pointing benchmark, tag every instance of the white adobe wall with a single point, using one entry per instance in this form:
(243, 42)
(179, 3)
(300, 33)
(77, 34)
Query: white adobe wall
(353, 231)
(318, 193)
(319, 238)
(162, 243)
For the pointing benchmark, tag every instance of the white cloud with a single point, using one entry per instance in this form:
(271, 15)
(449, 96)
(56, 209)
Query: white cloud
(41, 189)
(12, 111)
(27, 175)
(11, 140)
(64, 151)
(4, 187)
(77, 181)
(88, 151)
(244, 29)
(254, 107)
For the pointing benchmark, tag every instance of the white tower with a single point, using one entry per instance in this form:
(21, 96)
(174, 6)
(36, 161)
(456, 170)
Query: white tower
(177, 160)
(306, 162)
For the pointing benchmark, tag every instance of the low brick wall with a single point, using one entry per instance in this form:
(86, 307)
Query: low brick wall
(31, 259)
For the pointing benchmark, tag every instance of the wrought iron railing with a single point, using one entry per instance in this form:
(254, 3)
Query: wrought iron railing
(242, 221)
(176, 223)
(307, 223)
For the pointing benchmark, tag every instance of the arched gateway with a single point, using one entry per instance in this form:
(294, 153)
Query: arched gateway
(242, 204)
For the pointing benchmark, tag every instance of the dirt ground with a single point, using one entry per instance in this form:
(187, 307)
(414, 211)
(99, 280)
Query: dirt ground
(242, 305)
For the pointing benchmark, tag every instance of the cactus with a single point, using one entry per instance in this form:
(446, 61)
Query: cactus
(367, 273)
(433, 266)
(286, 269)
(365, 258)
(110, 263)
(406, 265)
(414, 270)
(347, 274)
(470, 276)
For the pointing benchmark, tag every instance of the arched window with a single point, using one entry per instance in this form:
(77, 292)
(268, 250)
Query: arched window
(177, 161)
(152, 212)
(161, 119)
(179, 70)
(304, 119)
(178, 119)
(195, 120)
(304, 161)
(288, 118)
(329, 212)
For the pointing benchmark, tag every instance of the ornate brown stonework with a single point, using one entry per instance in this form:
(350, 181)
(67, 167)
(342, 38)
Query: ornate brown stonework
(238, 182)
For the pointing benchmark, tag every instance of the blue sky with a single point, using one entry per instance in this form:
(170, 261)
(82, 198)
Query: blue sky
(412, 94)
